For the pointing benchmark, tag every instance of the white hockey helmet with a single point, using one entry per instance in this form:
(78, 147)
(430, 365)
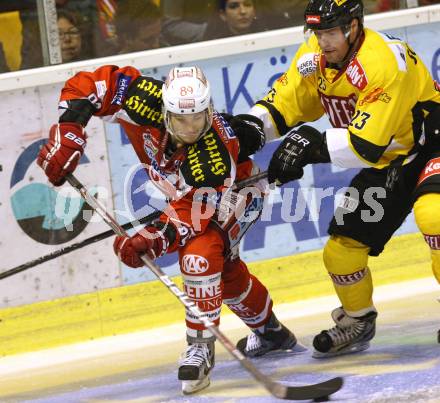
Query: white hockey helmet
(186, 92)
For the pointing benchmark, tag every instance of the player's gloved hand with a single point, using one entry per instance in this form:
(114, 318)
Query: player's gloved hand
(149, 241)
(61, 154)
(301, 146)
(250, 133)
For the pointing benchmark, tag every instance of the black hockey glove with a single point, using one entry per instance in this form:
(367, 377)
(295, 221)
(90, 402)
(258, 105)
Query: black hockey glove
(301, 146)
(250, 133)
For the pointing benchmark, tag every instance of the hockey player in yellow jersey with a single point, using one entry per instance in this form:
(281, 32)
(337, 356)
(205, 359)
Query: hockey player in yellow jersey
(384, 108)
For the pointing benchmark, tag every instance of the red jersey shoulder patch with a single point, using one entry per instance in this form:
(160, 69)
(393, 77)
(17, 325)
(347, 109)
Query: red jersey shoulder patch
(356, 74)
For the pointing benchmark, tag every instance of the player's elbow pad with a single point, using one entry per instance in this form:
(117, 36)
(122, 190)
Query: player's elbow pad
(76, 111)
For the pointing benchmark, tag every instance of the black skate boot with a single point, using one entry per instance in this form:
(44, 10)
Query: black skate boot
(274, 337)
(350, 335)
(195, 365)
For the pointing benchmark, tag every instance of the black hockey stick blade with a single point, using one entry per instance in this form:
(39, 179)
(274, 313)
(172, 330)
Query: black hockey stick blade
(308, 392)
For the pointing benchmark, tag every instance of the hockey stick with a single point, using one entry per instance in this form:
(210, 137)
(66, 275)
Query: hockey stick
(307, 392)
(78, 245)
(99, 237)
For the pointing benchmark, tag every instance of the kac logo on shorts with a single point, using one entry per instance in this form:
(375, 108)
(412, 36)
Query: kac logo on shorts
(194, 264)
(34, 204)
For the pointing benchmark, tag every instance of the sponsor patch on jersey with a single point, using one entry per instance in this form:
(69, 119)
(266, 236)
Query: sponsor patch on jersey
(307, 64)
(149, 147)
(224, 128)
(143, 103)
(339, 110)
(194, 264)
(356, 74)
(436, 86)
(207, 162)
(433, 241)
(349, 279)
(283, 79)
(431, 168)
(244, 220)
(121, 89)
(209, 297)
(375, 95)
(101, 88)
(348, 203)
(313, 19)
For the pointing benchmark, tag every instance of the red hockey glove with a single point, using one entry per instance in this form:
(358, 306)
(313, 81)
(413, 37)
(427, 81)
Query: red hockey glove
(61, 154)
(149, 241)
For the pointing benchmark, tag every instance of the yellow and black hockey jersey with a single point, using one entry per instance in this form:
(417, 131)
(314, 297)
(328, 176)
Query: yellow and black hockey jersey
(376, 105)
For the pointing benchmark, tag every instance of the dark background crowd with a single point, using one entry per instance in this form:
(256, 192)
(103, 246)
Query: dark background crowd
(97, 28)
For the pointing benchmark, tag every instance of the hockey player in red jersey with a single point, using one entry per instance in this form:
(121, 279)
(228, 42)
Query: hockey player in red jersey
(194, 156)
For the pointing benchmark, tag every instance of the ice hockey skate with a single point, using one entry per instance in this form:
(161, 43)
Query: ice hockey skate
(350, 335)
(196, 363)
(276, 337)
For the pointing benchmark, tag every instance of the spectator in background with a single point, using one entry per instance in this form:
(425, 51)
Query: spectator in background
(79, 13)
(73, 37)
(235, 17)
(138, 25)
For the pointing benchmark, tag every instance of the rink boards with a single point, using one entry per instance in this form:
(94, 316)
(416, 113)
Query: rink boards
(148, 305)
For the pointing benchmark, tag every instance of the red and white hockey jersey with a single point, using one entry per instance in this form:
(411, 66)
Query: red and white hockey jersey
(195, 177)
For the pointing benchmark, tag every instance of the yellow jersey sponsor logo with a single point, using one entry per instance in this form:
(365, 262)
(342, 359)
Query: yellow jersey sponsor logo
(283, 80)
(356, 74)
(375, 95)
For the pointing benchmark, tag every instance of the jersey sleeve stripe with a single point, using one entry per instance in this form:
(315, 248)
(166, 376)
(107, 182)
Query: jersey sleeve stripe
(340, 151)
(277, 118)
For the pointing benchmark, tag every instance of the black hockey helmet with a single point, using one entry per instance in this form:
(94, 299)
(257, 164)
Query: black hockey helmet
(326, 14)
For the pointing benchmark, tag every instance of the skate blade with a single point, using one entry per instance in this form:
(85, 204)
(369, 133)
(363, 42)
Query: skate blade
(298, 348)
(189, 387)
(355, 348)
